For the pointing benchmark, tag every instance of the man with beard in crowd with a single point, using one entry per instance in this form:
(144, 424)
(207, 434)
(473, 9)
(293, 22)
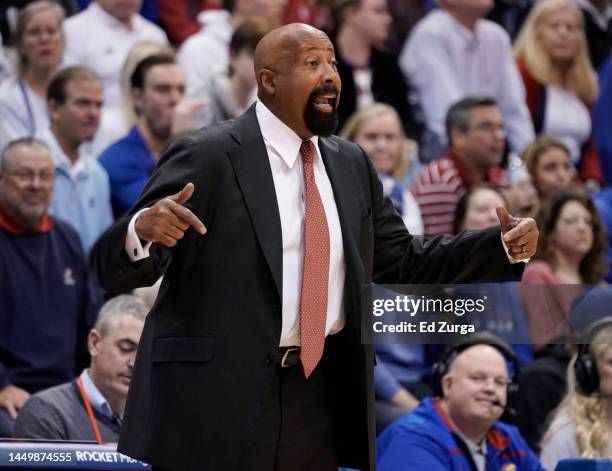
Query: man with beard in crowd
(252, 358)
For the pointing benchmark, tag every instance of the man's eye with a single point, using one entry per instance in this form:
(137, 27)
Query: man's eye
(312, 63)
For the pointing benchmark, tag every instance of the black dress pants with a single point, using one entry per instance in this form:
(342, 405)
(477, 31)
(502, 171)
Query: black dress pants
(295, 430)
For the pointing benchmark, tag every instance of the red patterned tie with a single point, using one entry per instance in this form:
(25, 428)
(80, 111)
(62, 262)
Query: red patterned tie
(313, 301)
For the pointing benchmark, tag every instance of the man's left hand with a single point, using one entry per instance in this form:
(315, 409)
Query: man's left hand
(520, 234)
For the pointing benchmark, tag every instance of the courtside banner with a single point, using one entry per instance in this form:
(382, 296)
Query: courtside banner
(516, 312)
(61, 455)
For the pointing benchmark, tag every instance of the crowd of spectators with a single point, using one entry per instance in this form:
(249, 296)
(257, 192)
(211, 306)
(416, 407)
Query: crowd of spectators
(461, 105)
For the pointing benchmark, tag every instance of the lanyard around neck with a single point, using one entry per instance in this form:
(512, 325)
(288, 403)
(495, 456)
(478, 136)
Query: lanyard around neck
(26, 100)
(92, 419)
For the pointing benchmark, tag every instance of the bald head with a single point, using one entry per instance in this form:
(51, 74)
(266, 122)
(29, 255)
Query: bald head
(297, 78)
(474, 388)
(277, 49)
(473, 357)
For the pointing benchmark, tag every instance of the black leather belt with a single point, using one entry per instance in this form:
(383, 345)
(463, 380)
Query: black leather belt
(288, 356)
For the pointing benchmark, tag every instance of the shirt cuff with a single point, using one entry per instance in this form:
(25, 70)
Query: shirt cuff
(511, 259)
(133, 246)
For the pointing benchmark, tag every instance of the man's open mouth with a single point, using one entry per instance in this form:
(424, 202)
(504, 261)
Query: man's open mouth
(325, 103)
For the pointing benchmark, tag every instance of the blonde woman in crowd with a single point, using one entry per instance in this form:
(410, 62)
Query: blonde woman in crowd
(39, 42)
(549, 163)
(378, 130)
(582, 425)
(559, 80)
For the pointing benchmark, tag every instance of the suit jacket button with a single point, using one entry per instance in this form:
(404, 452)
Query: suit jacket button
(269, 359)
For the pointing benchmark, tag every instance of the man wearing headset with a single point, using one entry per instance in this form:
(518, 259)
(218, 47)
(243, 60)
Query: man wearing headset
(459, 427)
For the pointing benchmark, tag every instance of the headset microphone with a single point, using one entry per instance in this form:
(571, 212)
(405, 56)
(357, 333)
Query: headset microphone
(507, 409)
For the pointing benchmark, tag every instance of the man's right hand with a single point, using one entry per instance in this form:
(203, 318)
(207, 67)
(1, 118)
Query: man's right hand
(12, 399)
(167, 220)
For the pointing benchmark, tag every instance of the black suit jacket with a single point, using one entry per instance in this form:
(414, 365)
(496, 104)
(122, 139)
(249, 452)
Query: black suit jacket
(206, 355)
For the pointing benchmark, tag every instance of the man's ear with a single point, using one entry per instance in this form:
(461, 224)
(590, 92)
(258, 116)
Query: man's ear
(267, 80)
(457, 137)
(136, 94)
(447, 381)
(93, 342)
(53, 107)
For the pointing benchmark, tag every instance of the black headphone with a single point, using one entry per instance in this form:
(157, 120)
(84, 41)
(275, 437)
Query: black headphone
(442, 366)
(585, 366)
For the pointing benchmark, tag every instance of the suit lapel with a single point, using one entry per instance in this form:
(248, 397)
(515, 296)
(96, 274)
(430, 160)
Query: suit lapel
(339, 172)
(252, 167)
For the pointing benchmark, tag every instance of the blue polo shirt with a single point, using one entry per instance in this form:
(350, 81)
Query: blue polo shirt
(81, 194)
(129, 164)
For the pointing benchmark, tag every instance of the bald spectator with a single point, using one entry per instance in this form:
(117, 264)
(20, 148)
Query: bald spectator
(60, 413)
(206, 54)
(161, 108)
(453, 52)
(477, 138)
(47, 302)
(368, 73)
(459, 427)
(117, 27)
(82, 191)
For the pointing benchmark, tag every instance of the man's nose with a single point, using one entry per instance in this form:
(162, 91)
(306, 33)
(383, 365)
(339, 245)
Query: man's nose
(330, 74)
(175, 96)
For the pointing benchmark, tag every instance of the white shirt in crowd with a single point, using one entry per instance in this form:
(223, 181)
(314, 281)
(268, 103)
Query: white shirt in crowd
(568, 119)
(205, 54)
(22, 112)
(6, 68)
(445, 61)
(283, 146)
(100, 42)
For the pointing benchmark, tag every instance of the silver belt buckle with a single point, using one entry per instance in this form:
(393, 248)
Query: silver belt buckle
(286, 355)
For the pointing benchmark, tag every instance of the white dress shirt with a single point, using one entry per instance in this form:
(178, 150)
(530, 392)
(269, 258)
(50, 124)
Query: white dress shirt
(22, 112)
(445, 61)
(205, 55)
(100, 42)
(283, 146)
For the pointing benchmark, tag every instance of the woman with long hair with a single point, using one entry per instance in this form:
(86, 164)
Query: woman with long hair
(582, 425)
(39, 42)
(378, 129)
(571, 253)
(549, 163)
(560, 82)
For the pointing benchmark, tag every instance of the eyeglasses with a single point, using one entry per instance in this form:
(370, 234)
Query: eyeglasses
(489, 127)
(27, 177)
